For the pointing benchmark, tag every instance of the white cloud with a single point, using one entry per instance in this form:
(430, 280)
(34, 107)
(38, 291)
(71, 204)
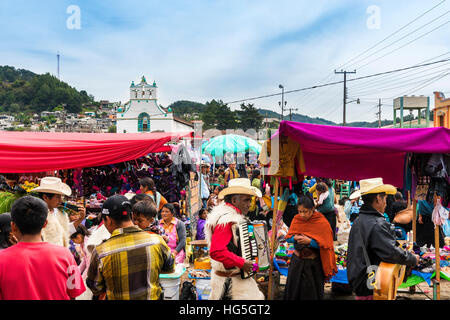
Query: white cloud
(228, 50)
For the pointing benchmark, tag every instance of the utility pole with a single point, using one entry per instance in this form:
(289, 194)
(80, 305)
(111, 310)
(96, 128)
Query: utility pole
(290, 112)
(379, 113)
(57, 58)
(282, 101)
(345, 90)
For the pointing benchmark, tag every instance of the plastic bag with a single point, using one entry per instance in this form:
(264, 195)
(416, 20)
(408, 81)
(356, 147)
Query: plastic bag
(343, 233)
(440, 214)
(446, 228)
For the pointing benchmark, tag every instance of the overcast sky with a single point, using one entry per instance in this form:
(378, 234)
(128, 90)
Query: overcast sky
(231, 50)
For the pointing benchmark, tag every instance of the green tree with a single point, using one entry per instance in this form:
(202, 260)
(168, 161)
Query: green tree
(218, 115)
(249, 117)
(112, 129)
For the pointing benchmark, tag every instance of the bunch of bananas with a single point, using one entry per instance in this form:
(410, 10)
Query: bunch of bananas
(6, 201)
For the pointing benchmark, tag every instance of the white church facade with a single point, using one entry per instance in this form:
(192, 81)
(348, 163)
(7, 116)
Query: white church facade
(143, 114)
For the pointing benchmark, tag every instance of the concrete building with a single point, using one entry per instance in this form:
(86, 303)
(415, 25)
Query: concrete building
(143, 114)
(441, 110)
(6, 121)
(412, 103)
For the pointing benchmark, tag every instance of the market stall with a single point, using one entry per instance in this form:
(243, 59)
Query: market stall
(300, 149)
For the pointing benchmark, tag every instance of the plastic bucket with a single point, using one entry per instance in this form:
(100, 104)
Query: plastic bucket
(203, 287)
(171, 288)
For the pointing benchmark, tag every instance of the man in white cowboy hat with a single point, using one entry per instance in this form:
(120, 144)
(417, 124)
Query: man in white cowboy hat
(352, 205)
(221, 233)
(372, 239)
(59, 228)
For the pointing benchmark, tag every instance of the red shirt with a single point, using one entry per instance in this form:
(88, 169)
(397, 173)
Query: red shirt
(220, 238)
(39, 271)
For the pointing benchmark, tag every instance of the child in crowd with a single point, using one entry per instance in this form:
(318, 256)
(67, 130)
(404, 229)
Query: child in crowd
(144, 214)
(202, 214)
(322, 192)
(80, 239)
(214, 197)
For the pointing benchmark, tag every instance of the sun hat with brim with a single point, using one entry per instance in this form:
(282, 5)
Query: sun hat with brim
(355, 195)
(53, 185)
(375, 185)
(240, 186)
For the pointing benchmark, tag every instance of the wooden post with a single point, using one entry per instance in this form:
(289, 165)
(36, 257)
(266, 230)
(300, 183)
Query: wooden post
(272, 240)
(414, 222)
(437, 255)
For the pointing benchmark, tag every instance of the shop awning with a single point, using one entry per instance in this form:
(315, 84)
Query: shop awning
(46, 151)
(359, 153)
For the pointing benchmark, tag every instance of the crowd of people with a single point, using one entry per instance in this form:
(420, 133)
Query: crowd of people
(46, 254)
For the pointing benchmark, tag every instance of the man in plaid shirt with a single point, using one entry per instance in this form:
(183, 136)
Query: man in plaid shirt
(128, 264)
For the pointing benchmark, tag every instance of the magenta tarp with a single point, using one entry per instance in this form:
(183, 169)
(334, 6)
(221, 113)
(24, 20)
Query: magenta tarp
(359, 153)
(46, 151)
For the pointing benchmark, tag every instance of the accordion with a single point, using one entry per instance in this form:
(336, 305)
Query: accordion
(254, 245)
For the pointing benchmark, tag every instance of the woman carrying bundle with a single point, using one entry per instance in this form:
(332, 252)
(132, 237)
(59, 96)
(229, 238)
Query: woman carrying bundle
(314, 260)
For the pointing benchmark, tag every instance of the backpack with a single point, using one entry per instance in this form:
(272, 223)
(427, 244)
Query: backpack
(188, 291)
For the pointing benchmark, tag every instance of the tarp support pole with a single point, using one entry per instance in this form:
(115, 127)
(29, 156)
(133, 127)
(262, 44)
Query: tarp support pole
(272, 240)
(437, 255)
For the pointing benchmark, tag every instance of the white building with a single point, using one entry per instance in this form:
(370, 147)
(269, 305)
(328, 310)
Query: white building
(143, 114)
(6, 121)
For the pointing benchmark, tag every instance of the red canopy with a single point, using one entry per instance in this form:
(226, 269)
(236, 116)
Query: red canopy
(46, 151)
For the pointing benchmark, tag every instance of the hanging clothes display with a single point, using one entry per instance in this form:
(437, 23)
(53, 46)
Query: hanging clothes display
(124, 177)
(430, 170)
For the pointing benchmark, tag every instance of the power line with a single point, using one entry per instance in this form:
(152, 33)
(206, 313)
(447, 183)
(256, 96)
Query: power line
(395, 81)
(432, 81)
(405, 44)
(336, 82)
(402, 85)
(312, 95)
(383, 79)
(392, 34)
(397, 41)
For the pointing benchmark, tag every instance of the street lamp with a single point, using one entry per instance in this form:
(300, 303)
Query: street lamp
(282, 100)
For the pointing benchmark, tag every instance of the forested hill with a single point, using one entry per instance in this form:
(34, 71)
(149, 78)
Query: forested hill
(24, 91)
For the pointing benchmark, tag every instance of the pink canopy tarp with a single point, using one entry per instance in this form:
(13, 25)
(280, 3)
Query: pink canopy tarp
(360, 153)
(46, 151)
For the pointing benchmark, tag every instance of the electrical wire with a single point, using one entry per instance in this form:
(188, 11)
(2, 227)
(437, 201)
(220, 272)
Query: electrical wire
(392, 34)
(397, 41)
(336, 82)
(443, 75)
(391, 77)
(369, 90)
(404, 45)
(312, 95)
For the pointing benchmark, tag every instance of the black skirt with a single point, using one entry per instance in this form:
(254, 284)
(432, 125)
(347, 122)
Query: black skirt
(331, 218)
(305, 279)
(425, 233)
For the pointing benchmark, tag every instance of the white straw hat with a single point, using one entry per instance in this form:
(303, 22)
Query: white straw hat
(240, 186)
(53, 185)
(355, 195)
(375, 185)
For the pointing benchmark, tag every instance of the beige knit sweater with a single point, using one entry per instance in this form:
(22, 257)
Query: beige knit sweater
(57, 229)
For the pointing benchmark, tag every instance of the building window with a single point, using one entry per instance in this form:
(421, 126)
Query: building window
(441, 121)
(144, 122)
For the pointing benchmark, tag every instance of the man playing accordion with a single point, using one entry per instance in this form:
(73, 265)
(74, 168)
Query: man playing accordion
(222, 235)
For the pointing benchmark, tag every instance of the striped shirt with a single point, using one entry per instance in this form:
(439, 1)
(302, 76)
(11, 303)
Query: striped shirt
(128, 264)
